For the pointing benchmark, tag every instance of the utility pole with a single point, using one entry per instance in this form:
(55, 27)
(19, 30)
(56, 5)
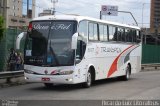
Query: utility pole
(54, 5)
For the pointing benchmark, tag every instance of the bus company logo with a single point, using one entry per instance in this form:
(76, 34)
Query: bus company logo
(46, 72)
(61, 26)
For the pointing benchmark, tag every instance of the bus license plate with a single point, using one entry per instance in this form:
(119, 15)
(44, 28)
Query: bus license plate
(45, 79)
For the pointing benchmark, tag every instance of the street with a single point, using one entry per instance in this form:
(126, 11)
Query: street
(142, 86)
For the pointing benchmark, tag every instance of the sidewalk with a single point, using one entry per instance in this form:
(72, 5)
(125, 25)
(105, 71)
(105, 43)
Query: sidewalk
(14, 82)
(150, 68)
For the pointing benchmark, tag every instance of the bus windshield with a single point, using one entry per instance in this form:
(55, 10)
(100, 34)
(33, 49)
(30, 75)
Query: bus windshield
(49, 43)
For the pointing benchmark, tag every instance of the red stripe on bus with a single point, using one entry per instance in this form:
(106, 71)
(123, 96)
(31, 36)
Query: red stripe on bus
(113, 67)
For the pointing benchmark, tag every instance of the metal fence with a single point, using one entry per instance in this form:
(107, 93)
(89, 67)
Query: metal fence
(150, 54)
(151, 49)
(7, 42)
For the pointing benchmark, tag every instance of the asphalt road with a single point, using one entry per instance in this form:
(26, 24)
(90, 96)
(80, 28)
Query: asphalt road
(142, 86)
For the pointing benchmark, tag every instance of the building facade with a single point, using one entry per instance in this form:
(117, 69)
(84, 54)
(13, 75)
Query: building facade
(12, 11)
(155, 16)
(45, 13)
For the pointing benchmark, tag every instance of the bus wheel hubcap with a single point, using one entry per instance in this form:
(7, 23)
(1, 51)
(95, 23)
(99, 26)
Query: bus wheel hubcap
(127, 72)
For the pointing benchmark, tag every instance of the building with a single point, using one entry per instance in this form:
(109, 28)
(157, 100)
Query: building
(45, 12)
(155, 16)
(12, 11)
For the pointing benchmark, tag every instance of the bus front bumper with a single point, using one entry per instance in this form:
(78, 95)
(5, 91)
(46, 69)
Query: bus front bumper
(56, 79)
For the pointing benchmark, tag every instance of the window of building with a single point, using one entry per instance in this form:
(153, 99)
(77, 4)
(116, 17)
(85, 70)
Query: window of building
(14, 14)
(14, 7)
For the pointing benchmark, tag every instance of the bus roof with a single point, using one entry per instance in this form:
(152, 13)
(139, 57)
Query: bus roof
(79, 18)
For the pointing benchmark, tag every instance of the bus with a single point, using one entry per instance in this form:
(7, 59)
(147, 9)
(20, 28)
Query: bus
(72, 49)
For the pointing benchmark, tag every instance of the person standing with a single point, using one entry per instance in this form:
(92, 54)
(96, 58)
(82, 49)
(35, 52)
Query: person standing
(12, 60)
(19, 61)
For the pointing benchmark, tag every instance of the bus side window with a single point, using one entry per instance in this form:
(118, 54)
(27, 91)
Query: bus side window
(105, 33)
(101, 32)
(112, 32)
(81, 48)
(134, 36)
(95, 32)
(138, 36)
(119, 34)
(90, 31)
(129, 35)
(123, 35)
(83, 28)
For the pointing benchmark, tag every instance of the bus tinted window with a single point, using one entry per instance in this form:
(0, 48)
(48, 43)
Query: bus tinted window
(134, 36)
(119, 34)
(128, 35)
(123, 35)
(112, 32)
(138, 36)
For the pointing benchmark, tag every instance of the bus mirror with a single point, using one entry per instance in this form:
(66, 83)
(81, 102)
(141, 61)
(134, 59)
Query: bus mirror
(19, 38)
(81, 37)
(74, 41)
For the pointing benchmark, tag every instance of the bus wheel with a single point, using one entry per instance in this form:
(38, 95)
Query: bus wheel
(48, 85)
(88, 83)
(126, 77)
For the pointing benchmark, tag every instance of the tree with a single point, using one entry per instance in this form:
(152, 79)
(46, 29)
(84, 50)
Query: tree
(1, 27)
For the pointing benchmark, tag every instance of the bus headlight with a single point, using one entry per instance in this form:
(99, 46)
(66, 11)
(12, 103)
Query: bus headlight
(66, 72)
(28, 71)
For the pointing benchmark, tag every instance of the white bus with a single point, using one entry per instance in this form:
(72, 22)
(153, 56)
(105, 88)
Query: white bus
(67, 49)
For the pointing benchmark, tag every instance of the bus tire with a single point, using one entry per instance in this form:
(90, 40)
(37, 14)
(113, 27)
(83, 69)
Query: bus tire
(48, 85)
(127, 75)
(88, 83)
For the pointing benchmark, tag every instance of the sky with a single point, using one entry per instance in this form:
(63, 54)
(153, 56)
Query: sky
(92, 8)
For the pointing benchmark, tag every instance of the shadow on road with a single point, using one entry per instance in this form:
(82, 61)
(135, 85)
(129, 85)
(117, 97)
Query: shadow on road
(79, 86)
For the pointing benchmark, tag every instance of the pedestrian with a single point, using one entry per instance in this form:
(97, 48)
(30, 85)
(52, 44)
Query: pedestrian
(19, 61)
(12, 60)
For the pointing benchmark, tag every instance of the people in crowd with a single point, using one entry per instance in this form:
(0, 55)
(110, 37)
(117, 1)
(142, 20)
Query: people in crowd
(15, 61)
(12, 60)
(19, 61)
